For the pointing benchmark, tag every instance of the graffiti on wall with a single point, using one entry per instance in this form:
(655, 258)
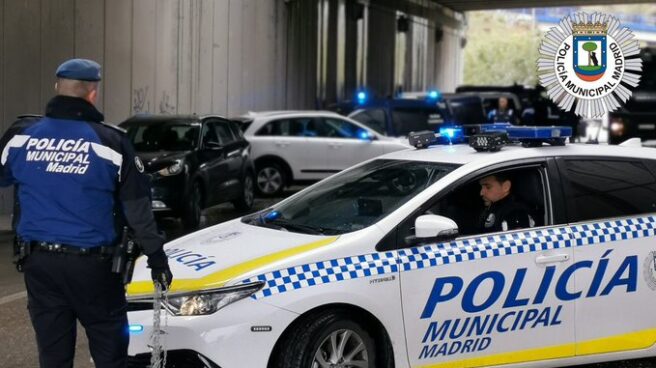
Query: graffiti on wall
(140, 101)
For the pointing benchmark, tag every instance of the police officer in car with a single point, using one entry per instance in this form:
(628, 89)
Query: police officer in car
(75, 176)
(502, 114)
(502, 210)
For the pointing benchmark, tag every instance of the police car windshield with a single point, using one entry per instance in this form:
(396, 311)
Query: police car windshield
(163, 136)
(353, 200)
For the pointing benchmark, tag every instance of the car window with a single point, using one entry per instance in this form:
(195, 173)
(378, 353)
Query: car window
(338, 128)
(353, 199)
(372, 118)
(296, 127)
(224, 133)
(406, 120)
(465, 206)
(604, 189)
(164, 136)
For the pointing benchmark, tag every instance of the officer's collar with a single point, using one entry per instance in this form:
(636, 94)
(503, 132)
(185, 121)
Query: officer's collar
(508, 198)
(72, 108)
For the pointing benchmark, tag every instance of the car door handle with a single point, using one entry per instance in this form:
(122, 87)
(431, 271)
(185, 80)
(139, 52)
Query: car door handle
(233, 153)
(336, 145)
(552, 258)
(282, 144)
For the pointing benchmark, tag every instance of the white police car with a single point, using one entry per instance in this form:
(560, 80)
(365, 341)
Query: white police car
(366, 268)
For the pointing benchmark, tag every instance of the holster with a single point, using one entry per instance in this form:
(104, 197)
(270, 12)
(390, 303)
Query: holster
(22, 250)
(125, 256)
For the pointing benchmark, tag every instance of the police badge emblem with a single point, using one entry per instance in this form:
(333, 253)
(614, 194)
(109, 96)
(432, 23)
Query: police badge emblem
(138, 164)
(650, 270)
(587, 63)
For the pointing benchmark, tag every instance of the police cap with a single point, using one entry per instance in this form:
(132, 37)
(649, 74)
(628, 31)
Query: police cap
(79, 69)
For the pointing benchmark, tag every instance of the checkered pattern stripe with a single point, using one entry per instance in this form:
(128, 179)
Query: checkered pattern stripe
(604, 232)
(375, 264)
(483, 247)
(326, 272)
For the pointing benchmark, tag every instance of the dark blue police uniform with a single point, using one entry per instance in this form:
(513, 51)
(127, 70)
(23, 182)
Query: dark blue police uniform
(74, 175)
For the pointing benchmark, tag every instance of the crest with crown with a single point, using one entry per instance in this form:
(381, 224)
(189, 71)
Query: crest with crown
(589, 29)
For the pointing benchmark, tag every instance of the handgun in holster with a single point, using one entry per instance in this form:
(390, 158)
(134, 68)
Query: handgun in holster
(21, 251)
(125, 255)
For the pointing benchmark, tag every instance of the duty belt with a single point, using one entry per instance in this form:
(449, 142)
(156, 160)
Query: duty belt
(40, 246)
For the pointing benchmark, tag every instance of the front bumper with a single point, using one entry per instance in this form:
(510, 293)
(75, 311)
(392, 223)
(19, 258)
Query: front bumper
(224, 338)
(168, 193)
(174, 359)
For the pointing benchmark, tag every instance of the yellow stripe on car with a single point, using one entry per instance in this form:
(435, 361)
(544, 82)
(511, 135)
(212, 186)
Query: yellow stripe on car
(630, 341)
(220, 278)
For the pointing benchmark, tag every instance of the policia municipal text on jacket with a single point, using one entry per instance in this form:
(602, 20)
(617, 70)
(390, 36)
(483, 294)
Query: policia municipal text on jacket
(74, 175)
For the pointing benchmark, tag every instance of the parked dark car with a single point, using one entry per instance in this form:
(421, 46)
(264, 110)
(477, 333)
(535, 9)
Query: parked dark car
(194, 162)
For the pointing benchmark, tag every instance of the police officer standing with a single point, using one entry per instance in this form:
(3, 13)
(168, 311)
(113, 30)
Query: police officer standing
(75, 175)
(502, 211)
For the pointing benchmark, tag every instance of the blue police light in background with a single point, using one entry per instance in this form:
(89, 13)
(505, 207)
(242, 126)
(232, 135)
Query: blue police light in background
(362, 97)
(364, 135)
(135, 329)
(434, 95)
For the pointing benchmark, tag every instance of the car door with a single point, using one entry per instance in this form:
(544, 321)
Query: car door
(233, 160)
(348, 143)
(488, 299)
(213, 166)
(611, 203)
(288, 139)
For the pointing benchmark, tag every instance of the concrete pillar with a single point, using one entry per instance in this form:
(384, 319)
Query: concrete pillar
(380, 53)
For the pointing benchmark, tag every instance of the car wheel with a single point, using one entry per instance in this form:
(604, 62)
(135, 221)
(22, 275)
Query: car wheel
(270, 179)
(331, 339)
(245, 202)
(191, 217)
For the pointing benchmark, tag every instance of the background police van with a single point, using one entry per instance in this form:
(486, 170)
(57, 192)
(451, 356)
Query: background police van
(381, 266)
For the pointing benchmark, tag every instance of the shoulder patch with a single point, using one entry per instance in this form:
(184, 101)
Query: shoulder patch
(115, 127)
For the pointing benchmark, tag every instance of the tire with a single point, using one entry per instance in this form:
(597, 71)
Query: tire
(245, 202)
(270, 179)
(193, 208)
(309, 345)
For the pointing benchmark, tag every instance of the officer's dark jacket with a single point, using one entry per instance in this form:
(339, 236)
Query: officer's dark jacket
(505, 214)
(72, 171)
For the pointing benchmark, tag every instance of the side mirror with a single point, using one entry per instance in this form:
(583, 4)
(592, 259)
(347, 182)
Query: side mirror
(213, 145)
(434, 227)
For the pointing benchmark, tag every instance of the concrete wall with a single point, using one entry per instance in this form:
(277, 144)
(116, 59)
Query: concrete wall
(160, 56)
(211, 56)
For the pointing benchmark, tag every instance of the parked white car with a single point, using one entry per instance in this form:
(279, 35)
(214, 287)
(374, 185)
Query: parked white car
(300, 146)
(380, 266)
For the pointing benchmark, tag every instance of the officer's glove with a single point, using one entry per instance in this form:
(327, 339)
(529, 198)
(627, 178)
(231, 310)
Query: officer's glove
(159, 269)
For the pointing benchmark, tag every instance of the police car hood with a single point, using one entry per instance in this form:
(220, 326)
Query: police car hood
(225, 254)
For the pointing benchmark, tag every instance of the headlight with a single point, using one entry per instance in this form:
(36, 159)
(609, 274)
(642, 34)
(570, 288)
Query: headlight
(174, 169)
(209, 301)
(617, 126)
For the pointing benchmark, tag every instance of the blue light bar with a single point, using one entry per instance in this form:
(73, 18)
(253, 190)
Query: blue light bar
(136, 329)
(451, 132)
(531, 132)
(495, 127)
(272, 215)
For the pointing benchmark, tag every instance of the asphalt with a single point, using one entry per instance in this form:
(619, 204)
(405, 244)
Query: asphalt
(18, 347)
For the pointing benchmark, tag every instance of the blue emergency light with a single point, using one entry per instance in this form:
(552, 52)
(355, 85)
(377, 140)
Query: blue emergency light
(434, 94)
(362, 97)
(493, 136)
(136, 329)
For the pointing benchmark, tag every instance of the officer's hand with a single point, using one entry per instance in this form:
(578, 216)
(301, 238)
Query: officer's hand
(159, 269)
(163, 277)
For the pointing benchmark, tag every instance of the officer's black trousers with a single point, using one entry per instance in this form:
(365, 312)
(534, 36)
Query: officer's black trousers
(63, 288)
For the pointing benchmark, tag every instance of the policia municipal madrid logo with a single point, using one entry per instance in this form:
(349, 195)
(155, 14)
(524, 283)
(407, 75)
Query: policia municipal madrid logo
(650, 270)
(587, 63)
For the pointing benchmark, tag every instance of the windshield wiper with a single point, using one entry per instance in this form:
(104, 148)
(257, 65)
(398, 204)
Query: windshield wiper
(285, 224)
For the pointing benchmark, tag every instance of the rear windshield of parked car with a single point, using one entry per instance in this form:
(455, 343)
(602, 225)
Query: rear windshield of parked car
(175, 135)
(406, 120)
